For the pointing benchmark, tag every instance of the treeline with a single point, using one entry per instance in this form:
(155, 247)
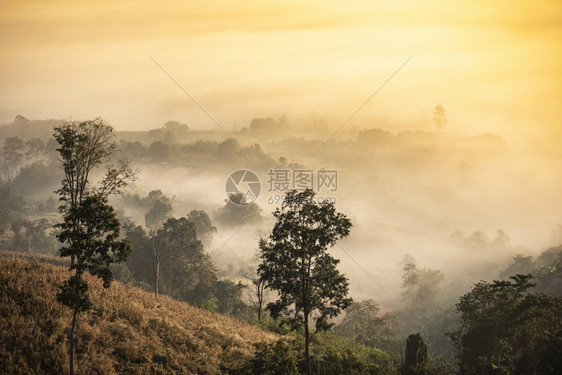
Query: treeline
(507, 326)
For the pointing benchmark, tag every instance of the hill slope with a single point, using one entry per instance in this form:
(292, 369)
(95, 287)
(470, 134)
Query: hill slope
(126, 331)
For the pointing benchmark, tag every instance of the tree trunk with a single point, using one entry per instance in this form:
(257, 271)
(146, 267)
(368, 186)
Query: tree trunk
(306, 346)
(155, 268)
(260, 290)
(72, 330)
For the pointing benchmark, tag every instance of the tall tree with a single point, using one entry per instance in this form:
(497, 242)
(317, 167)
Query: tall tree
(439, 117)
(255, 291)
(421, 288)
(82, 148)
(89, 230)
(13, 152)
(296, 264)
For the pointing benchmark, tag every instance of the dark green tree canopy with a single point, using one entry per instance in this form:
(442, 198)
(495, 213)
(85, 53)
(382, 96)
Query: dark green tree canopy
(416, 361)
(95, 242)
(507, 328)
(203, 225)
(296, 264)
(187, 271)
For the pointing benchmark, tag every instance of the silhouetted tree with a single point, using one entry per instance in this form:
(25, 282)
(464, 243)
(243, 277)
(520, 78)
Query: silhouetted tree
(255, 291)
(159, 151)
(237, 211)
(160, 211)
(89, 230)
(416, 360)
(13, 152)
(439, 117)
(140, 261)
(422, 287)
(295, 263)
(203, 226)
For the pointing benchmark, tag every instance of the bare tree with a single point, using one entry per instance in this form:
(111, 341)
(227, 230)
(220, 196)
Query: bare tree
(256, 292)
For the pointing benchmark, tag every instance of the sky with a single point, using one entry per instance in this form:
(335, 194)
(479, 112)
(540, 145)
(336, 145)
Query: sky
(495, 65)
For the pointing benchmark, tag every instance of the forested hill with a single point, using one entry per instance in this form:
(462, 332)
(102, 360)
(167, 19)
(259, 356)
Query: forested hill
(127, 331)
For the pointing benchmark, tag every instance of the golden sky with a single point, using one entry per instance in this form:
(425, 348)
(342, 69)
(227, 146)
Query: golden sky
(495, 65)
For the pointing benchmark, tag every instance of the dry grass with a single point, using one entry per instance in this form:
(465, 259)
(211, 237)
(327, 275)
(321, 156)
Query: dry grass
(126, 331)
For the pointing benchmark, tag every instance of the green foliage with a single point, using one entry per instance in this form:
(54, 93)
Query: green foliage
(416, 361)
(229, 298)
(140, 260)
(521, 265)
(159, 151)
(203, 226)
(132, 150)
(95, 243)
(89, 230)
(278, 358)
(73, 293)
(37, 179)
(238, 212)
(364, 323)
(33, 237)
(549, 274)
(295, 263)
(421, 288)
(268, 126)
(335, 355)
(12, 206)
(160, 211)
(434, 327)
(13, 151)
(35, 147)
(186, 270)
(505, 328)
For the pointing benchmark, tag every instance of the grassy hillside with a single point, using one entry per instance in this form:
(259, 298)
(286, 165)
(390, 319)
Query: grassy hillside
(126, 331)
